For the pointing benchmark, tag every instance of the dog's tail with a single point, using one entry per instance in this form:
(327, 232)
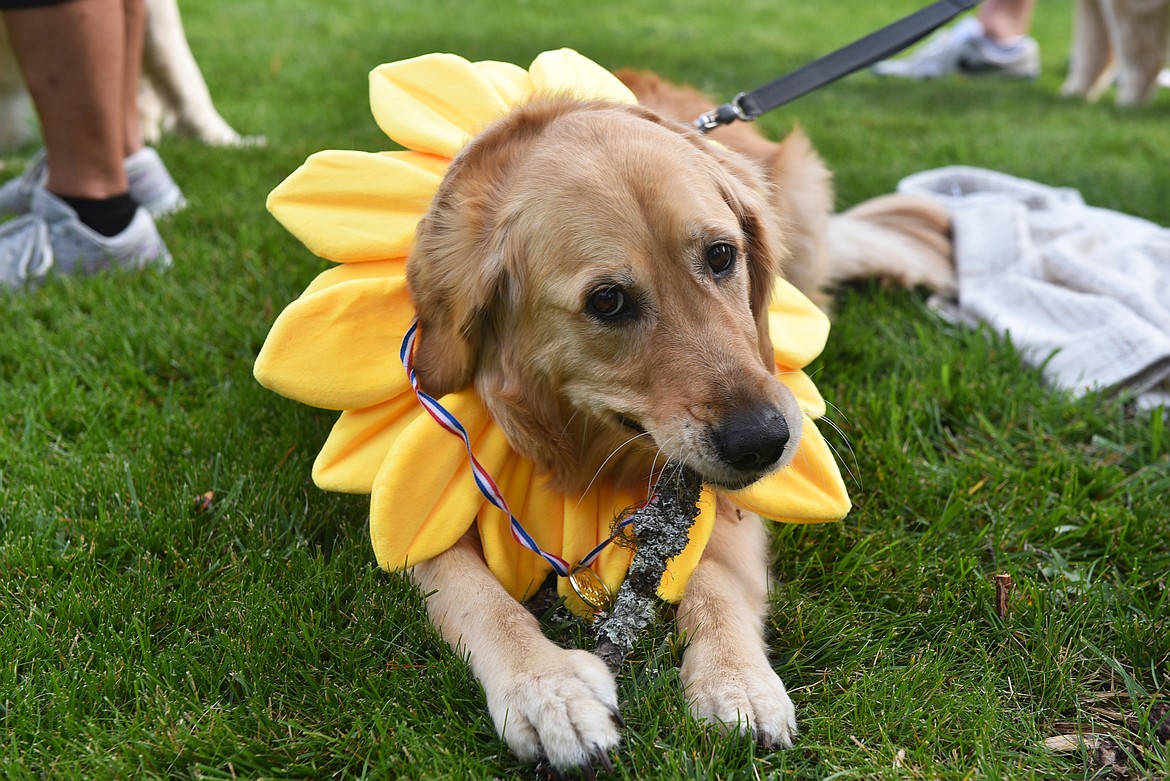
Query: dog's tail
(905, 239)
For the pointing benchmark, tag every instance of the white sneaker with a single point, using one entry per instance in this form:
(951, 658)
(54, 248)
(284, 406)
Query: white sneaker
(151, 185)
(966, 49)
(51, 237)
(16, 194)
(25, 252)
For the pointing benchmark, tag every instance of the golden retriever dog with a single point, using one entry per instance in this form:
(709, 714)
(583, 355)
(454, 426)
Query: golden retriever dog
(173, 94)
(1122, 40)
(600, 274)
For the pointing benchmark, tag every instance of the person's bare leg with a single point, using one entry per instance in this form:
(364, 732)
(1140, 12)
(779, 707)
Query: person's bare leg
(73, 55)
(1004, 20)
(132, 72)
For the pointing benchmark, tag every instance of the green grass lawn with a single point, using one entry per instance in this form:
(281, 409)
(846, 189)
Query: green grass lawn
(143, 637)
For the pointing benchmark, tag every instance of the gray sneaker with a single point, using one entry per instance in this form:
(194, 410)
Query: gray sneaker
(25, 252)
(151, 185)
(51, 237)
(16, 194)
(966, 49)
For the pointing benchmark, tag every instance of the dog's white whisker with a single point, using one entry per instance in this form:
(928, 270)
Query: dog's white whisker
(837, 410)
(852, 475)
(652, 477)
(607, 460)
(841, 459)
(564, 434)
(842, 434)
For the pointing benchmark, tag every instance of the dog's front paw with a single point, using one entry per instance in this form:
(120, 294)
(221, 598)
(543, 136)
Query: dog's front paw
(749, 698)
(561, 705)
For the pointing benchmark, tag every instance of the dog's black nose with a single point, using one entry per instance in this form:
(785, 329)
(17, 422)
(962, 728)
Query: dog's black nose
(751, 440)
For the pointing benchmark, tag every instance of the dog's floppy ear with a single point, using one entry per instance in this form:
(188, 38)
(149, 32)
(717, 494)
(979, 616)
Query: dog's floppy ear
(457, 267)
(453, 277)
(454, 273)
(453, 280)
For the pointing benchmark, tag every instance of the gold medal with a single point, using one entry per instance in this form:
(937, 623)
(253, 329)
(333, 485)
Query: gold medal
(590, 588)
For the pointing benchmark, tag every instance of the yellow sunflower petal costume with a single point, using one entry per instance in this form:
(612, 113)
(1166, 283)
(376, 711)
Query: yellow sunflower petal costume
(336, 347)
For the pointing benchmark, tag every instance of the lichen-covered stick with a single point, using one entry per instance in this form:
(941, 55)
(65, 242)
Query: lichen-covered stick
(662, 528)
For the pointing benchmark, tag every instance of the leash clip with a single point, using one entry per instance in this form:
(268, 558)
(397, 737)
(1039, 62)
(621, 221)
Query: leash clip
(741, 113)
(725, 115)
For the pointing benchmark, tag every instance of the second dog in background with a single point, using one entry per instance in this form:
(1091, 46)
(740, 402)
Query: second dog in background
(1126, 39)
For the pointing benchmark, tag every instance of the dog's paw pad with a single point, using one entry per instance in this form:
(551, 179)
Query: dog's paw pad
(561, 707)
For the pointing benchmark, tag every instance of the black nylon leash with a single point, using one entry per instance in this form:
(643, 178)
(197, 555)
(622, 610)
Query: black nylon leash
(863, 52)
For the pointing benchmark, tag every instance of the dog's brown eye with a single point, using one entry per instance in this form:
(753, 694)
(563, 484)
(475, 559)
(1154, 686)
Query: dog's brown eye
(608, 302)
(720, 258)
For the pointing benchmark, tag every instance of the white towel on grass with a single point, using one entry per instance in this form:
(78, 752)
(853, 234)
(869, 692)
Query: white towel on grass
(1083, 292)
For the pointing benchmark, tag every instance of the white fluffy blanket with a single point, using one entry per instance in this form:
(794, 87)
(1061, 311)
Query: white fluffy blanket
(1084, 292)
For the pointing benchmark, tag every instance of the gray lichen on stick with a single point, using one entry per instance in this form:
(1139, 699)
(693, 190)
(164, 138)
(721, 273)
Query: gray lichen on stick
(662, 529)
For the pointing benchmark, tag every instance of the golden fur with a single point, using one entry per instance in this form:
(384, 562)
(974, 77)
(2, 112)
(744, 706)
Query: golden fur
(1126, 39)
(538, 222)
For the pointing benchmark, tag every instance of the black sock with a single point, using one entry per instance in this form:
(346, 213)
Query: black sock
(107, 216)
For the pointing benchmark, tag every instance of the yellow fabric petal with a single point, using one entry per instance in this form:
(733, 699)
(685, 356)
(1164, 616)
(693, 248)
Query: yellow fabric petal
(424, 497)
(613, 506)
(357, 446)
(338, 348)
(540, 510)
(807, 396)
(589, 519)
(681, 567)
(798, 327)
(511, 81)
(565, 72)
(345, 272)
(436, 102)
(357, 206)
(808, 490)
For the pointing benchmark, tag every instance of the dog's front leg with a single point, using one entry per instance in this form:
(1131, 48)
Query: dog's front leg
(725, 671)
(1090, 62)
(544, 700)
